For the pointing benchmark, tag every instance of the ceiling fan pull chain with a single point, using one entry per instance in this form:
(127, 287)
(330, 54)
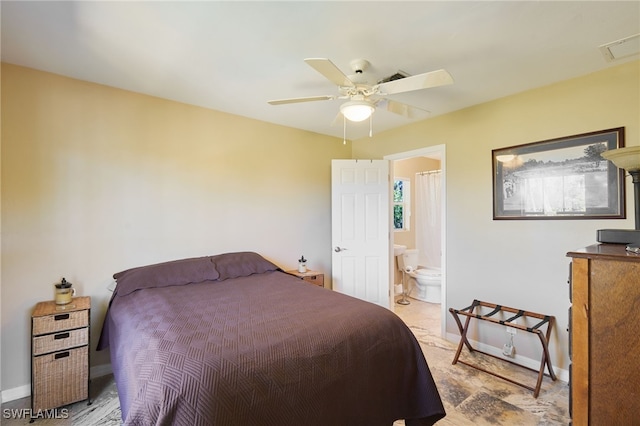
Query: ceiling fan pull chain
(344, 130)
(371, 126)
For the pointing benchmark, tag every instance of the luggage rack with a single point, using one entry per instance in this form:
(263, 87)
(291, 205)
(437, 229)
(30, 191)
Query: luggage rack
(470, 312)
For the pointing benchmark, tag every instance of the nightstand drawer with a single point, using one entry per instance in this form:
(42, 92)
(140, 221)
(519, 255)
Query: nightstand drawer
(59, 341)
(60, 378)
(309, 276)
(60, 321)
(315, 279)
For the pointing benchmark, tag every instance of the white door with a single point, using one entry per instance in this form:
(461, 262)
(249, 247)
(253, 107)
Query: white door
(360, 229)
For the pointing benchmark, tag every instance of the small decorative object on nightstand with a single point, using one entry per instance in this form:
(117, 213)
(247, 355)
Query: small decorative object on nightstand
(313, 277)
(60, 353)
(302, 264)
(64, 292)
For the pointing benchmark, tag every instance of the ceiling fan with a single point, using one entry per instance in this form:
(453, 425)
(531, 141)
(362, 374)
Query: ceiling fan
(363, 96)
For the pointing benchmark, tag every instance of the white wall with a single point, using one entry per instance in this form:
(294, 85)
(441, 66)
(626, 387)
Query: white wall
(516, 263)
(96, 180)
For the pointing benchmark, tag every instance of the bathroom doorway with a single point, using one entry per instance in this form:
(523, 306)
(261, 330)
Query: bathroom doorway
(408, 167)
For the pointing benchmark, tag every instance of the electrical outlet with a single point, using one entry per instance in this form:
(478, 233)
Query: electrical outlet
(509, 350)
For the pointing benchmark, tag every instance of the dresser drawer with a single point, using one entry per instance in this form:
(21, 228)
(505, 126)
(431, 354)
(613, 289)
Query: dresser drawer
(60, 322)
(59, 341)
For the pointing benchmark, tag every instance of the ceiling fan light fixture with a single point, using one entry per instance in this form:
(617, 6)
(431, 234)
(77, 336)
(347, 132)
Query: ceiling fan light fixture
(358, 110)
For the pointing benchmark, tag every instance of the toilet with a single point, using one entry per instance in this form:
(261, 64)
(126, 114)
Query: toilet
(427, 281)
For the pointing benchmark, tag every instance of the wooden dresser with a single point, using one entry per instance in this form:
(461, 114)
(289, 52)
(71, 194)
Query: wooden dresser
(604, 335)
(59, 353)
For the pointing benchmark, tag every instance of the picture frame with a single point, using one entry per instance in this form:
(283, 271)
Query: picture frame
(562, 178)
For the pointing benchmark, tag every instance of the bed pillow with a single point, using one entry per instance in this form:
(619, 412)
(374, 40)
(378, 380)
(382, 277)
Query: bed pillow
(241, 264)
(177, 272)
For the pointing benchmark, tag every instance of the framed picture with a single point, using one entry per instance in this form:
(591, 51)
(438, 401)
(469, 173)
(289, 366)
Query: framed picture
(564, 178)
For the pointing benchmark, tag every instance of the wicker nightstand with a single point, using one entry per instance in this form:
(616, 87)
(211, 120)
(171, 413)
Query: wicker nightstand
(313, 277)
(60, 353)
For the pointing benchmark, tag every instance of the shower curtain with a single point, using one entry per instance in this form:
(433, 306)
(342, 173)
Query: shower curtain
(428, 215)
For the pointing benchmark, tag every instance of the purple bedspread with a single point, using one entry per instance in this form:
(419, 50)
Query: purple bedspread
(265, 349)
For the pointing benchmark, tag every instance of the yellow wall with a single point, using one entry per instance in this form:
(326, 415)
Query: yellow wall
(96, 180)
(518, 263)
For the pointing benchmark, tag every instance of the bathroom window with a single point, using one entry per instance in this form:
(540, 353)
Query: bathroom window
(401, 206)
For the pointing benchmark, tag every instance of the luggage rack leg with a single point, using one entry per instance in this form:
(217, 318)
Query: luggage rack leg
(463, 330)
(544, 339)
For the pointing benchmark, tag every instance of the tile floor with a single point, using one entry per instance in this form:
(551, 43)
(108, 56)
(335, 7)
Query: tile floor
(472, 397)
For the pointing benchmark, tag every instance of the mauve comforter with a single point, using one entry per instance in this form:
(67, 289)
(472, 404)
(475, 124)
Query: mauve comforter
(263, 349)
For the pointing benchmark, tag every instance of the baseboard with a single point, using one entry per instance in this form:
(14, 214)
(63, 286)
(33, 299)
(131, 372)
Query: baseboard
(16, 393)
(25, 390)
(562, 374)
(100, 370)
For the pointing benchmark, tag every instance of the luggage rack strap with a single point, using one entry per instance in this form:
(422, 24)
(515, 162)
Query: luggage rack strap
(473, 311)
(495, 311)
(513, 318)
(540, 324)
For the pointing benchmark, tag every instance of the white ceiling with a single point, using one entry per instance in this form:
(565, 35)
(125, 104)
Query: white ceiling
(234, 56)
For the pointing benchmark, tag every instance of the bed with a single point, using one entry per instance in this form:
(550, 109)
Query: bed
(232, 339)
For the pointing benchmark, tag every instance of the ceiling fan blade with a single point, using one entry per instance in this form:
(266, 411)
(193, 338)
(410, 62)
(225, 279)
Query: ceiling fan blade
(330, 71)
(416, 82)
(296, 100)
(405, 110)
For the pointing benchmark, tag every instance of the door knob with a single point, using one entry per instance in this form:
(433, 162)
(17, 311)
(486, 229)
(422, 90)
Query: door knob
(339, 249)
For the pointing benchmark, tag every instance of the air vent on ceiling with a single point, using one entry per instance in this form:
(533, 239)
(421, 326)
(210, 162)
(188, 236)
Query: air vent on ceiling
(620, 49)
(397, 76)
